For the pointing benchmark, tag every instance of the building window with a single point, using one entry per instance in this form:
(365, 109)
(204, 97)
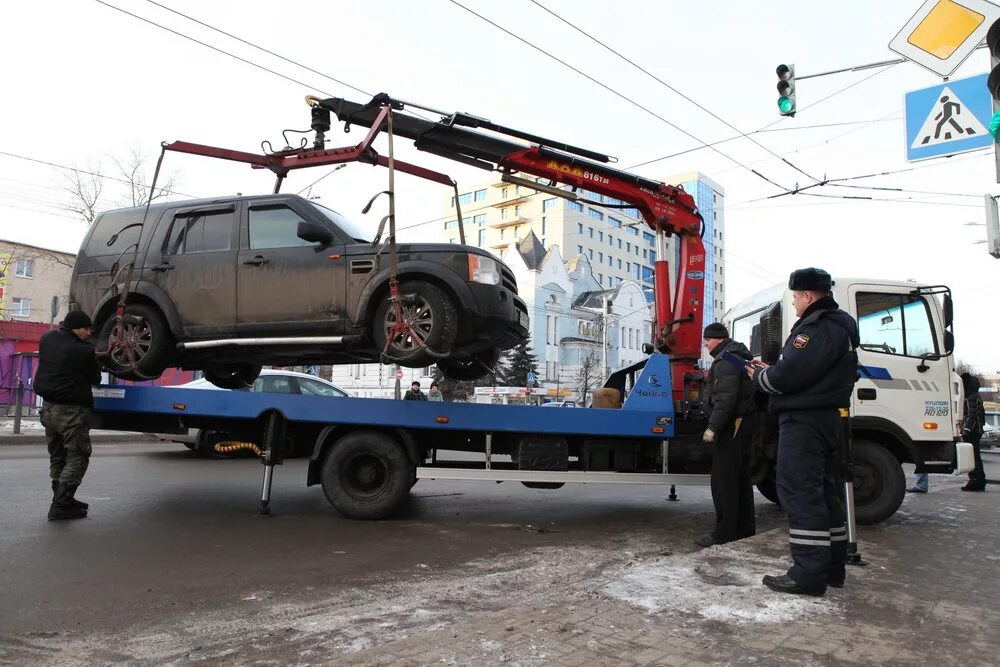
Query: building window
(632, 230)
(548, 204)
(502, 230)
(600, 257)
(20, 307)
(574, 205)
(479, 219)
(24, 268)
(482, 237)
(579, 228)
(590, 230)
(614, 222)
(544, 225)
(451, 225)
(600, 278)
(480, 195)
(595, 214)
(628, 266)
(579, 250)
(610, 261)
(618, 281)
(503, 213)
(503, 192)
(462, 199)
(645, 254)
(590, 253)
(649, 239)
(517, 211)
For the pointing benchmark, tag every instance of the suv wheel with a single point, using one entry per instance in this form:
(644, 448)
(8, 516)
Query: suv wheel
(139, 345)
(432, 319)
(481, 363)
(240, 376)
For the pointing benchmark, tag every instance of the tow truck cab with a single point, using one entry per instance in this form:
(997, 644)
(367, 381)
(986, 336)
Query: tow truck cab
(906, 405)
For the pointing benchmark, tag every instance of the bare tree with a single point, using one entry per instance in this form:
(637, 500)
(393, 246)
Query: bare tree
(589, 377)
(85, 187)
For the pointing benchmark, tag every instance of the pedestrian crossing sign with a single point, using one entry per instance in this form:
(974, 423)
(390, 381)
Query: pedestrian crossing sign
(949, 118)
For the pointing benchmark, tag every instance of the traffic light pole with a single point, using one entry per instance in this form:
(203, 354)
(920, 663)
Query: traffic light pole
(859, 68)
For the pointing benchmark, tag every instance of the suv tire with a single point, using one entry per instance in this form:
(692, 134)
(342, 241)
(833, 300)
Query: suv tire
(233, 377)
(145, 336)
(431, 314)
(481, 363)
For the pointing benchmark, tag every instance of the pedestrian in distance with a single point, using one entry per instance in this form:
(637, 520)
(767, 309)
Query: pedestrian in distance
(729, 400)
(972, 429)
(434, 393)
(810, 391)
(67, 368)
(414, 393)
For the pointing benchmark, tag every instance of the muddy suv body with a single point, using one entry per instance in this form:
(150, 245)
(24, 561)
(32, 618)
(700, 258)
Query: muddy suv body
(227, 285)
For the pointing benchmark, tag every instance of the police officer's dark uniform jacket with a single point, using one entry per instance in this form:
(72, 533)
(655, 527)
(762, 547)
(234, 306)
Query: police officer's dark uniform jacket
(729, 399)
(810, 383)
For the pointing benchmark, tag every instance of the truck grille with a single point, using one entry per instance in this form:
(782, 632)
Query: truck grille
(508, 279)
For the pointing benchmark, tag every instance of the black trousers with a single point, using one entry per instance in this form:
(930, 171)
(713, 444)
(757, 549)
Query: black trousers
(732, 492)
(810, 489)
(977, 478)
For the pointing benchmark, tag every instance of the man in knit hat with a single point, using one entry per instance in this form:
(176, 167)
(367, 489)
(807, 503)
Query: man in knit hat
(67, 368)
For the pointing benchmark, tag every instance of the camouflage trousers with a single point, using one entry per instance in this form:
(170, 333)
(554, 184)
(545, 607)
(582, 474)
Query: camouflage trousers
(67, 431)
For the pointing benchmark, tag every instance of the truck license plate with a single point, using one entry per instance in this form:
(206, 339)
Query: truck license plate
(522, 319)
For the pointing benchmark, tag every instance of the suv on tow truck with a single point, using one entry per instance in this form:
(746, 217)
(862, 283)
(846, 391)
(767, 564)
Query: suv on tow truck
(227, 285)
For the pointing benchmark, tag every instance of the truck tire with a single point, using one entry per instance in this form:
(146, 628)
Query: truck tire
(432, 316)
(879, 484)
(145, 343)
(481, 363)
(366, 475)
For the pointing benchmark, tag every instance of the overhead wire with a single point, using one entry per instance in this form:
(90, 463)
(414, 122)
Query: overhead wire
(613, 91)
(671, 88)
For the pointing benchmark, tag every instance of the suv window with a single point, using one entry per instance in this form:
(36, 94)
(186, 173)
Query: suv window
(311, 387)
(274, 384)
(895, 324)
(275, 227)
(112, 223)
(200, 231)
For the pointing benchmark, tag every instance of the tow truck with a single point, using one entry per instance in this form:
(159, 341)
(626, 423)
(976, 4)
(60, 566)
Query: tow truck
(367, 453)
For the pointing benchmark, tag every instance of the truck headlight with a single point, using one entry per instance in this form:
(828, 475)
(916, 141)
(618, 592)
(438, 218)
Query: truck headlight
(483, 270)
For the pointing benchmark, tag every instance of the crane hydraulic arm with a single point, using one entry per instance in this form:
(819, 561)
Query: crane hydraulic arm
(668, 210)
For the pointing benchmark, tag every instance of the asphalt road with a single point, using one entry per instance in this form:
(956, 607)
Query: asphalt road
(176, 541)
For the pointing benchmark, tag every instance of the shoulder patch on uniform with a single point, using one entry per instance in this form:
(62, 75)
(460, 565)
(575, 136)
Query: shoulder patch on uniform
(800, 341)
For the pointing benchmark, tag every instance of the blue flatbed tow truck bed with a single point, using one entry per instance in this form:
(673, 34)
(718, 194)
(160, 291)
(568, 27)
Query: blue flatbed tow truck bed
(367, 453)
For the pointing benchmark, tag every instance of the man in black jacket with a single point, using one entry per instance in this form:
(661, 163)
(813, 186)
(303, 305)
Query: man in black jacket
(67, 367)
(729, 399)
(809, 387)
(972, 429)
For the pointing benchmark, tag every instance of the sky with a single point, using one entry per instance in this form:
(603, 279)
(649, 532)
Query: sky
(86, 83)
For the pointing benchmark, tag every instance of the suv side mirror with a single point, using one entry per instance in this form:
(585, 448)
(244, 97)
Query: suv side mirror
(313, 232)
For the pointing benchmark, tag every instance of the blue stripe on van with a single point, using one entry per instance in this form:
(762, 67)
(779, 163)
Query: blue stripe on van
(875, 373)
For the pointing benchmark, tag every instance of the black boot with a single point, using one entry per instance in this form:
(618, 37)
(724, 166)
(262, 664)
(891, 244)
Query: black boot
(62, 508)
(73, 501)
(785, 584)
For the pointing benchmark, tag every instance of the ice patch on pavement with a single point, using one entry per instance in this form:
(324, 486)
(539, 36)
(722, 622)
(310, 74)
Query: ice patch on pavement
(26, 425)
(722, 583)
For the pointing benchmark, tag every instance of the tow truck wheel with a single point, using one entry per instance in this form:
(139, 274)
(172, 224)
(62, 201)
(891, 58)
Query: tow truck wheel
(366, 475)
(233, 377)
(481, 363)
(139, 345)
(879, 483)
(432, 320)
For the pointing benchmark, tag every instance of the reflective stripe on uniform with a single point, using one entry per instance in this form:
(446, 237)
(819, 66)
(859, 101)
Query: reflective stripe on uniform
(811, 543)
(838, 538)
(809, 533)
(766, 384)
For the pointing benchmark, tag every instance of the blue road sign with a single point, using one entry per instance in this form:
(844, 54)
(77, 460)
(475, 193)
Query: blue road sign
(948, 118)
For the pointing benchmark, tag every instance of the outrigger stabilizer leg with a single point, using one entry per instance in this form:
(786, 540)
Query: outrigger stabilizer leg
(847, 466)
(274, 454)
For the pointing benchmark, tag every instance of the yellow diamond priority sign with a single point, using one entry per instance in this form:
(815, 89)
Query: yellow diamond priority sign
(943, 33)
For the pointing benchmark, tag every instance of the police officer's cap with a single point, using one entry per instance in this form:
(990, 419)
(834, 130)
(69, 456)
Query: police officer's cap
(77, 319)
(810, 280)
(716, 330)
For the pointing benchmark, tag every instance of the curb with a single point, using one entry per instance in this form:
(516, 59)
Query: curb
(99, 439)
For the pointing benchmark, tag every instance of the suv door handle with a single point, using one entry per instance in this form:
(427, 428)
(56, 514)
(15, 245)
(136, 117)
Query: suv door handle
(256, 261)
(162, 267)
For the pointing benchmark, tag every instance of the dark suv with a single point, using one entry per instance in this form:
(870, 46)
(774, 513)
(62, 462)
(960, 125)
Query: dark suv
(227, 285)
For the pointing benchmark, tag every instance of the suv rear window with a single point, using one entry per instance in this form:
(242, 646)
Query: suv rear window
(201, 231)
(112, 223)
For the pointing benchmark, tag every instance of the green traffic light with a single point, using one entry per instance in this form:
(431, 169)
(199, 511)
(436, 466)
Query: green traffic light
(995, 125)
(786, 105)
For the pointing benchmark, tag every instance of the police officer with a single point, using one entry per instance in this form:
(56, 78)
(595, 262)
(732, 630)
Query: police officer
(808, 386)
(729, 397)
(67, 367)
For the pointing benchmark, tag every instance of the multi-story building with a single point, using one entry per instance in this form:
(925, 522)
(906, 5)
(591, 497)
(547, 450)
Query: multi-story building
(710, 198)
(30, 278)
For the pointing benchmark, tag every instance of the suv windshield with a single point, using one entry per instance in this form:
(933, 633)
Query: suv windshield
(356, 231)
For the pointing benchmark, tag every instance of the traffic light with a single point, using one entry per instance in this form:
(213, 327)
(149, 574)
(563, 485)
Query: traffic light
(786, 89)
(993, 82)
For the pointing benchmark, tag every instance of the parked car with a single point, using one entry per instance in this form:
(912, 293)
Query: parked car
(560, 404)
(991, 436)
(230, 284)
(271, 381)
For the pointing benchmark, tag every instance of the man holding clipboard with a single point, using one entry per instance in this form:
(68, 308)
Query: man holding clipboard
(729, 401)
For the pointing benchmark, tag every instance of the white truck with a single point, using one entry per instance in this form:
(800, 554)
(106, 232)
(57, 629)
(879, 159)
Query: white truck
(907, 404)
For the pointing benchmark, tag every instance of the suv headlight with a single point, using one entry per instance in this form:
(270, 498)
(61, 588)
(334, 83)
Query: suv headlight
(483, 270)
